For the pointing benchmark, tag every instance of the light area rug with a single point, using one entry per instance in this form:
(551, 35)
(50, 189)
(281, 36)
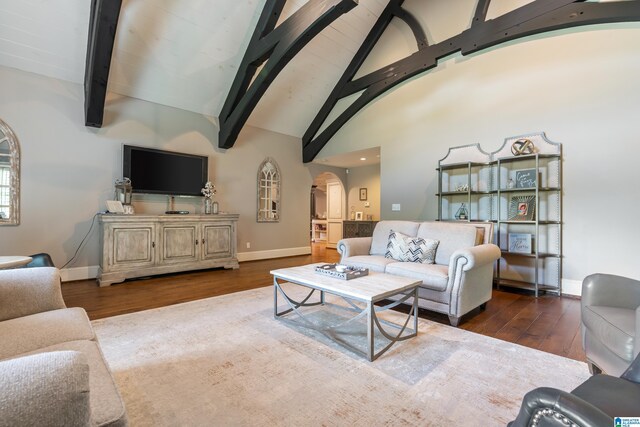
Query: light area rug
(225, 361)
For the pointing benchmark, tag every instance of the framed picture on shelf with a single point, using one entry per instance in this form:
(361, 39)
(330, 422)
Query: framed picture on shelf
(363, 194)
(526, 178)
(522, 208)
(359, 216)
(519, 243)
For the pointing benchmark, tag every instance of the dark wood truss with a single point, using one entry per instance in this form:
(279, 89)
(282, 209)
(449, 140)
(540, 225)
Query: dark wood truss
(103, 22)
(537, 17)
(273, 47)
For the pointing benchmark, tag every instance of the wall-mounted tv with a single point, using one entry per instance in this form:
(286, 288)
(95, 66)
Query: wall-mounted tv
(164, 172)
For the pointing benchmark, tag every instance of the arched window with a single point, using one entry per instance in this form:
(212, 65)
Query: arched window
(9, 176)
(269, 191)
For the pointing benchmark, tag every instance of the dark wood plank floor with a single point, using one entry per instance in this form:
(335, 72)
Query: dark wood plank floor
(548, 323)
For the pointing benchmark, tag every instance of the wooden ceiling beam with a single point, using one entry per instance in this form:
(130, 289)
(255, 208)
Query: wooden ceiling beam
(273, 47)
(539, 16)
(103, 22)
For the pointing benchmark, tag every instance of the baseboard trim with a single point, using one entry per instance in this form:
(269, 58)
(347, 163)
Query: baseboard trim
(572, 287)
(79, 273)
(91, 271)
(273, 253)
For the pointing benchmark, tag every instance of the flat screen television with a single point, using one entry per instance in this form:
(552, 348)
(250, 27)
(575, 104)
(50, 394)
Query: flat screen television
(164, 172)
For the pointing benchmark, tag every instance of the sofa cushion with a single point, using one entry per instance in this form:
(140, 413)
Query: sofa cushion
(451, 236)
(613, 326)
(29, 333)
(47, 389)
(107, 408)
(380, 236)
(372, 262)
(433, 276)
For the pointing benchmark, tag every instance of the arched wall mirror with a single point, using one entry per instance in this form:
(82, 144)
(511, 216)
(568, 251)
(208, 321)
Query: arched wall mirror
(269, 191)
(9, 176)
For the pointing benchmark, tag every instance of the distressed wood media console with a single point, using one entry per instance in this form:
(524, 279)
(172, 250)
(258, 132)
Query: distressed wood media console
(144, 245)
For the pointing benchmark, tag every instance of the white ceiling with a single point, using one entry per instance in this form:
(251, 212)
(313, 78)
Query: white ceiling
(184, 53)
(354, 159)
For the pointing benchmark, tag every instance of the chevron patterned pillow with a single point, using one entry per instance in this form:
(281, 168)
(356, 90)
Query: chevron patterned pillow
(412, 249)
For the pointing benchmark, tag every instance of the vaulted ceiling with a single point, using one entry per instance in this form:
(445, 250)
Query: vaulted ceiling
(184, 53)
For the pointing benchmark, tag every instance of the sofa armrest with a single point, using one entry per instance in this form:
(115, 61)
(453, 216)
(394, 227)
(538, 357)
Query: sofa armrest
(45, 389)
(475, 256)
(552, 406)
(25, 291)
(354, 246)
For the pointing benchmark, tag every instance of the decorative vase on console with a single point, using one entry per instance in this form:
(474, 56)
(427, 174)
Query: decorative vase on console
(208, 191)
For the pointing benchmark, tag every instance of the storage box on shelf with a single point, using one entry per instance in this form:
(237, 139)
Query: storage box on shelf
(522, 194)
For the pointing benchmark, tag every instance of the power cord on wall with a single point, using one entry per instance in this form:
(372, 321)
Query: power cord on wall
(73, 258)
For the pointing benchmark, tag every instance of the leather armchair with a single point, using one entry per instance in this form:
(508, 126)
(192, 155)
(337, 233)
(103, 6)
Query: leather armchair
(596, 402)
(610, 308)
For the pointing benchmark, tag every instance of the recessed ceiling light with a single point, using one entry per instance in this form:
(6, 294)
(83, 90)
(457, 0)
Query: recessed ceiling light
(363, 158)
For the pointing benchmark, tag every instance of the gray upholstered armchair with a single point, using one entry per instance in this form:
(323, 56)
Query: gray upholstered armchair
(610, 308)
(596, 402)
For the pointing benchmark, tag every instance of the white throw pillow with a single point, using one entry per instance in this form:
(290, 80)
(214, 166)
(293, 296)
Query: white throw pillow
(411, 249)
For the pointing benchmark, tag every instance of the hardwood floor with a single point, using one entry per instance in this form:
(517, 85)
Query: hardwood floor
(547, 323)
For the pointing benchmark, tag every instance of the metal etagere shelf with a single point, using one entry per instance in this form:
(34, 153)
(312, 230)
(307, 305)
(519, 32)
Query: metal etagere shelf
(522, 195)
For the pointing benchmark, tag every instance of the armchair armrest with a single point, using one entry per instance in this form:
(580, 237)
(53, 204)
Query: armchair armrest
(475, 256)
(611, 291)
(49, 389)
(633, 371)
(551, 406)
(636, 342)
(26, 291)
(354, 246)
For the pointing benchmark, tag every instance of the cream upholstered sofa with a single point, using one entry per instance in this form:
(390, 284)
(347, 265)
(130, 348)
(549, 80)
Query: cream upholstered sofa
(461, 278)
(52, 372)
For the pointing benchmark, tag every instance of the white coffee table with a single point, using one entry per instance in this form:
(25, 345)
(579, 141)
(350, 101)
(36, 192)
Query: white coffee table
(369, 290)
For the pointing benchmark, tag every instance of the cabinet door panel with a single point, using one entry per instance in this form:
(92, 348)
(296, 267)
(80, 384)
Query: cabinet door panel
(365, 229)
(133, 246)
(334, 233)
(217, 241)
(350, 229)
(179, 243)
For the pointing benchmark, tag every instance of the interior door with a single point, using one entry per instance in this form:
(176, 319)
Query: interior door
(335, 212)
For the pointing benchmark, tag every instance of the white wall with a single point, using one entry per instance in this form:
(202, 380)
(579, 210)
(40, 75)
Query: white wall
(364, 177)
(579, 86)
(68, 169)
